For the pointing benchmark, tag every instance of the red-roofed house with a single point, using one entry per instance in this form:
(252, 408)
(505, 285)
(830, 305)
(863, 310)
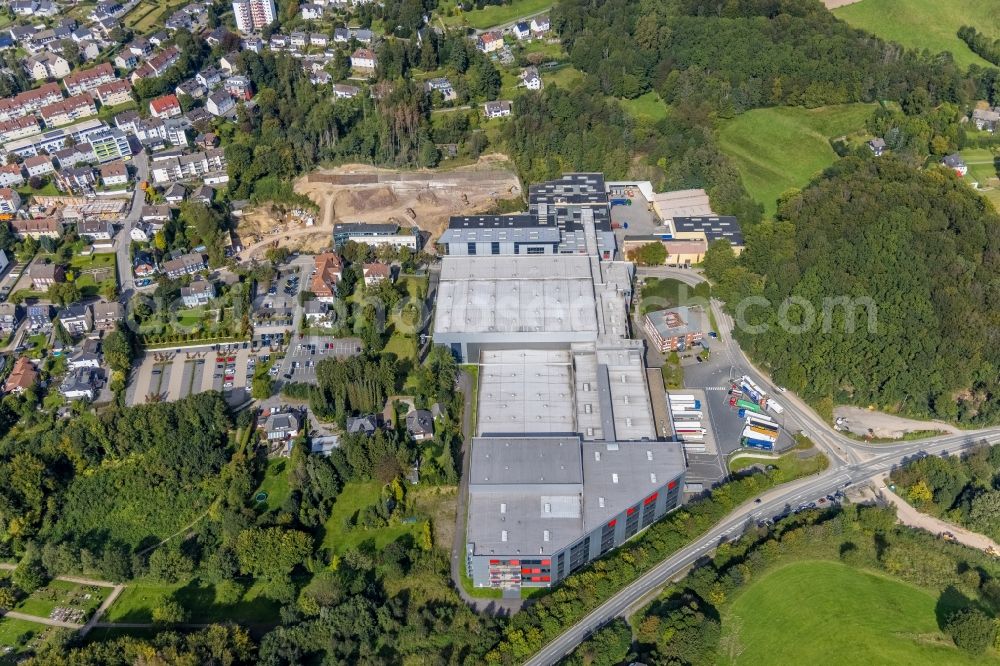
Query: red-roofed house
(88, 79)
(375, 273)
(166, 106)
(22, 377)
(328, 272)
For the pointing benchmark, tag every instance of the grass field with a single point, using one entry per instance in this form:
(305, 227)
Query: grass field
(825, 613)
(80, 262)
(275, 484)
(926, 24)
(662, 293)
(785, 147)
(16, 634)
(793, 465)
(137, 602)
(982, 165)
(494, 15)
(356, 496)
(646, 107)
(563, 77)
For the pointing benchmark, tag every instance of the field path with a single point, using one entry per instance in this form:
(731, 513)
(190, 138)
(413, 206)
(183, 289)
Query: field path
(910, 516)
(42, 620)
(833, 4)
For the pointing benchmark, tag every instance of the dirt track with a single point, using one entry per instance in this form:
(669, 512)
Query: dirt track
(907, 515)
(361, 193)
(833, 4)
(886, 426)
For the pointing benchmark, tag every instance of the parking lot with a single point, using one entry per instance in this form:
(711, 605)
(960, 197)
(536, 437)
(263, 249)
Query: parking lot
(172, 374)
(299, 364)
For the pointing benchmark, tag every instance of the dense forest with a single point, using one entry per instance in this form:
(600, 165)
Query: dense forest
(899, 268)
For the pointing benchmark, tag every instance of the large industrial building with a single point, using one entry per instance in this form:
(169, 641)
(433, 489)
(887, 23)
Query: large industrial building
(566, 464)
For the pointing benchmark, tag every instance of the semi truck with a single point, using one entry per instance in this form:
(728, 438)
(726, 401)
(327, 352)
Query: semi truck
(761, 419)
(751, 433)
(687, 425)
(689, 415)
(763, 432)
(752, 406)
(775, 407)
(675, 397)
(752, 391)
(762, 444)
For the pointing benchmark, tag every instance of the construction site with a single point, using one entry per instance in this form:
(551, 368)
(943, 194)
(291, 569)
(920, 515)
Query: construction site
(362, 193)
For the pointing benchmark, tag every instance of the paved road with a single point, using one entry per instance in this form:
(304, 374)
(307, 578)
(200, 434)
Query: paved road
(125, 280)
(772, 503)
(852, 462)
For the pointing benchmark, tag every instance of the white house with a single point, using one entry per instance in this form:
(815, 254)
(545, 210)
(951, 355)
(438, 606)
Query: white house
(531, 79)
(497, 109)
(219, 103)
(363, 59)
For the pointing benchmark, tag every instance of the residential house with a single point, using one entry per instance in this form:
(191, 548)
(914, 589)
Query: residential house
(36, 228)
(316, 312)
(114, 173)
(95, 230)
(46, 65)
(81, 384)
(209, 77)
(531, 79)
(39, 317)
(76, 179)
(81, 154)
(175, 194)
(24, 7)
(203, 194)
(157, 215)
(69, 110)
(187, 264)
(344, 91)
(877, 146)
(363, 60)
(420, 425)
(318, 39)
(986, 119)
(280, 425)
(676, 329)
(364, 35)
(956, 164)
(220, 103)
(107, 315)
(191, 88)
(10, 201)
(76, 319)
(9, 318)
(329, 269)
(87, 355)
(125, 59)
(521, 30)
(255, 44)
(29, 101)
(441, 85)
(199, 292)
(22, 377)
(376, 272)
(114, 93)
(488, 42)
(540, 25)
(86, 80)
(230, 63)
(299, 39)
(239, 86)
(210, 166)
(341, 35)
(10, 174)
(158, 64)
(19, 128)
(166, 106)
(366, 424)
(498, 109)
(43, 276)
(143, 265)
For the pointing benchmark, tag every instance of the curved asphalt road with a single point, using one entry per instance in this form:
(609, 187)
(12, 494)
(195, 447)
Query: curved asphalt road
(852, 462)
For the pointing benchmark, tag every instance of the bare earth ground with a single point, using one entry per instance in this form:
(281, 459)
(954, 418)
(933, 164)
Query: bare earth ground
(886, 426)
(907, 515)
(833, 4)
(362, 193)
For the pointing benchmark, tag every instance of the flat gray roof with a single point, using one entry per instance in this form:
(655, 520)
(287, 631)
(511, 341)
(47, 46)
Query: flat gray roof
(520, 294)
(526, 392)
(535, 496)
